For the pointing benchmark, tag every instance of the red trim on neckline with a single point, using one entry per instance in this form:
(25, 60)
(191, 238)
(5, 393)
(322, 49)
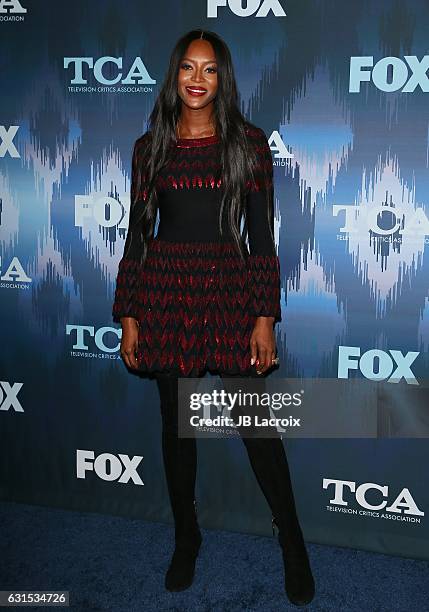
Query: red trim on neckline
(184, 143)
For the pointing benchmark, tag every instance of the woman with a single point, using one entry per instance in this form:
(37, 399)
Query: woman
(193, 299)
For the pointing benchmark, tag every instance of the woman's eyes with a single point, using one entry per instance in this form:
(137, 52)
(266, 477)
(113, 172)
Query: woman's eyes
(210, 68)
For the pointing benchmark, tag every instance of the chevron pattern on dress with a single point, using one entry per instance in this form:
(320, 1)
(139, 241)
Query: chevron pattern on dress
(184, 181)
(264, 280)
(126, 283)
(196, 304)
(179, 164)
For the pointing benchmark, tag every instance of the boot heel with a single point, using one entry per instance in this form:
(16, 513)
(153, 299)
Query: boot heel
(274, 527)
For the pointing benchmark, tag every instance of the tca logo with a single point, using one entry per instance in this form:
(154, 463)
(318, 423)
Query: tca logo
(13, 7)
(253, 7)
(361, 219)
(390, 73)
(106, 466)
(402, 504)
(376, 364)
(80, 343)
(137, 74)
(9, 396)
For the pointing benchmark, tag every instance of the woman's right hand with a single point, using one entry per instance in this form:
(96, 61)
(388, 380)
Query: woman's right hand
(129, 341)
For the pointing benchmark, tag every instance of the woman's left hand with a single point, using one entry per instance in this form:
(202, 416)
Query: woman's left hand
(263, 344)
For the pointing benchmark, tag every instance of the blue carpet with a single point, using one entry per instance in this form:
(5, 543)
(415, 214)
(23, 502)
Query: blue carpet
(118, 564)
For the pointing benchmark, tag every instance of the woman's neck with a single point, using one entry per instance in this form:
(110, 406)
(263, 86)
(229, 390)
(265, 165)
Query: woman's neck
(197, 126)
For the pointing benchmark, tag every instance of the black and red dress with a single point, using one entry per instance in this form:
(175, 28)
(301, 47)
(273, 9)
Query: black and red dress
(195, 299)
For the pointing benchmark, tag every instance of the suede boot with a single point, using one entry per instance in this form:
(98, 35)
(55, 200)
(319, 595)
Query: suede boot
(269, 463)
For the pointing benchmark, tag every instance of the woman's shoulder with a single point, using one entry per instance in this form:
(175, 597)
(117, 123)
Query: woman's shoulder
(142, 147)
(143, 140)
(258, 141)
(255, 134)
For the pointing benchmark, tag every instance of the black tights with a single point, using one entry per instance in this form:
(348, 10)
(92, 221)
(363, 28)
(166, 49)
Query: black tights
(267, 458)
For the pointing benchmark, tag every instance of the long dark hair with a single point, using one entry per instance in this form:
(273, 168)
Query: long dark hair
(238, 159)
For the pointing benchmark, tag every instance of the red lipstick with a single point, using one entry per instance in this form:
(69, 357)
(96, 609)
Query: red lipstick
(196, 91)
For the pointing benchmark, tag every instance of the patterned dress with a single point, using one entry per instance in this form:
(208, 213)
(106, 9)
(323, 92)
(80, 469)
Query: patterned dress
(196, 301)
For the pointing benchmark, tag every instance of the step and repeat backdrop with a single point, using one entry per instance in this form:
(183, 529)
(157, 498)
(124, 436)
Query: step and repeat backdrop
(341, 90)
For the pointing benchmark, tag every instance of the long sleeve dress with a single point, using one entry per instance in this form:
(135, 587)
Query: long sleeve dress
(195, 299)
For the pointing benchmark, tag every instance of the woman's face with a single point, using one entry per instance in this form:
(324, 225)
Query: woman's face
(197, 77)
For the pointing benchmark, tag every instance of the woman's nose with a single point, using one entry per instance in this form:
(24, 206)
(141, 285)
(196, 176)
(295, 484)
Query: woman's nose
(199, 76)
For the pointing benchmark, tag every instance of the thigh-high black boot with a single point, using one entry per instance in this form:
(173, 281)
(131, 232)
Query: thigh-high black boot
(180, 464)
(269, 463)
